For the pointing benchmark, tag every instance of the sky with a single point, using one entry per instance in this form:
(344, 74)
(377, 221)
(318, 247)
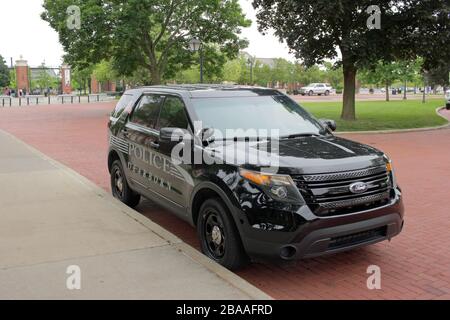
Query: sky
(24, 33)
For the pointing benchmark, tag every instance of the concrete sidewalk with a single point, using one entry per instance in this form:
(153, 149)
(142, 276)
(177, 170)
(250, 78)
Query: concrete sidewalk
(52, 218)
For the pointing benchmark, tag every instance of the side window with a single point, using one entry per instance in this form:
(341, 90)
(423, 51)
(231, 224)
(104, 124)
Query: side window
(121, 105)
(147, 112)
(173, 114)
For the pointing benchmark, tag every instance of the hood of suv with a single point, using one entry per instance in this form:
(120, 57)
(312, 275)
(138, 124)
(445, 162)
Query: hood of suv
(304, 155)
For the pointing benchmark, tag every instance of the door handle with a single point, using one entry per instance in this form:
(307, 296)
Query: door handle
(154, 145)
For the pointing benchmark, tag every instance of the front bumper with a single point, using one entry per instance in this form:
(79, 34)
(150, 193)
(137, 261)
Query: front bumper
(327, 235)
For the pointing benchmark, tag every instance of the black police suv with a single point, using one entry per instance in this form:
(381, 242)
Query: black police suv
(254, 172)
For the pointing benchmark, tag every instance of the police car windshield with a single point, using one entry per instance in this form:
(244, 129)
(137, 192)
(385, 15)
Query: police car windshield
(253, 117)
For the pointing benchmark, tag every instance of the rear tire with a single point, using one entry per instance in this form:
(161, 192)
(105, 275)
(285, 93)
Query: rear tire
(120, 188)
(219, 236)
(448, 106)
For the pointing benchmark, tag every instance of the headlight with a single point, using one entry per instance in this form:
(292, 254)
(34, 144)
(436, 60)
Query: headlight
(390, 170)
(278, 187)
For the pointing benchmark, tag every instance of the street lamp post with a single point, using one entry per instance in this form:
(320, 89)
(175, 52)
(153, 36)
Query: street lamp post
(195, 45)
(250, 64)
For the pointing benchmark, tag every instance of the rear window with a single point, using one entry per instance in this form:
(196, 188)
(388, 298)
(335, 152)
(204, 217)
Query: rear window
(122, 105)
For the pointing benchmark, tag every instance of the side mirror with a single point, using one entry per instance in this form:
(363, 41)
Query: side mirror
(170, 137)
(330, 124)
(206, 136)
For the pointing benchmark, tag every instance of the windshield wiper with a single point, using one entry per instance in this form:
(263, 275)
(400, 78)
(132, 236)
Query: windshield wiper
(300, 135)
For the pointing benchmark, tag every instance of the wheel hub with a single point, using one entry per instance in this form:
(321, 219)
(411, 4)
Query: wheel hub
(216, 235)
(119, 183)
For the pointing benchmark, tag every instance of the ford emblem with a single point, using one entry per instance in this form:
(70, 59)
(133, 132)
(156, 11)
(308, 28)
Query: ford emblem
(359, 187)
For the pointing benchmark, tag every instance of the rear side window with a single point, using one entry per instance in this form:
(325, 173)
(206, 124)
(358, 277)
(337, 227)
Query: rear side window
(147, 112)
(173, 114)
(122, 105)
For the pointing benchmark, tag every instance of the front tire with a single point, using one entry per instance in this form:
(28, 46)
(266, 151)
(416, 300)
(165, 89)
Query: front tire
(219, 236)
(120, 188)
(327, 93)
(310, 93)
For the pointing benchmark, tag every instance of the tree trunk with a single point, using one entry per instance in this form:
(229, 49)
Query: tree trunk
(387, 91)
(424, 91)
(155, 77)
(404, 93)
(348, 109)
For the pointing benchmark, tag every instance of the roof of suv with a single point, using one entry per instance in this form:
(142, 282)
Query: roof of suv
(208, 90)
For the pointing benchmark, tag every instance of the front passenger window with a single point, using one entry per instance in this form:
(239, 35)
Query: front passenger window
(173, 114)
(147, 112)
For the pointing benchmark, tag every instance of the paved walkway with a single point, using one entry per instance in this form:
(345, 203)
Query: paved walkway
(52, 218)
(415, 265)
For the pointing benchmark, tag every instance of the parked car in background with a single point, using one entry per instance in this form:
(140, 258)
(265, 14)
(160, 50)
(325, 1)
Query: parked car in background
(317, 88)
(447, 99)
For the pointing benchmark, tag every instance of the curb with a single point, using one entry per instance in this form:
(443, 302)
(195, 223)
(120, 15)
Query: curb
(173, 241)
(445, 126)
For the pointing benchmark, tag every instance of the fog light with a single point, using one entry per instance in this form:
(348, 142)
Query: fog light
(288, 252)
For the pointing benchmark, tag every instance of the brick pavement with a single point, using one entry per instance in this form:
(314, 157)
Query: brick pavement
(415, 265)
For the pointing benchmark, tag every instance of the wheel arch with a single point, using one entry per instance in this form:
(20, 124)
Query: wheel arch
(113, 155)
(208, 190)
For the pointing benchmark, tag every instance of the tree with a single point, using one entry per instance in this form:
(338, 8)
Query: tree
(233, 70)
(383, 73)
(316, 30)
(262, 74)
(104, 72)
(283, 71)
(44, 79)
(439, 76)
(12, 79)
(407, 71)
(81, 77)
(334, 75)
(4, 73)
(148, 34)
(309, 75)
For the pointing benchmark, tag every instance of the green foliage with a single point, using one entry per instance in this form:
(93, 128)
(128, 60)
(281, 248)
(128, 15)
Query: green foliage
(233, 71)
(317, 30)
(262, 74)
(81, 77)
(334, 75)
(44, 79)
(148, 34)
(383, 74)
(381, 115)
(104, 72)
(439, 75)
(12, 79)
(388, 73)
(4, 73)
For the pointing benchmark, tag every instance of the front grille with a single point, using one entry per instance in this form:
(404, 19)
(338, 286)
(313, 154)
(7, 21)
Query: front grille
(357, 238)
(329, 194)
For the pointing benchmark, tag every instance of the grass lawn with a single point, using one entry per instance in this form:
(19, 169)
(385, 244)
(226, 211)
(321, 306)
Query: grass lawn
(381, 115)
